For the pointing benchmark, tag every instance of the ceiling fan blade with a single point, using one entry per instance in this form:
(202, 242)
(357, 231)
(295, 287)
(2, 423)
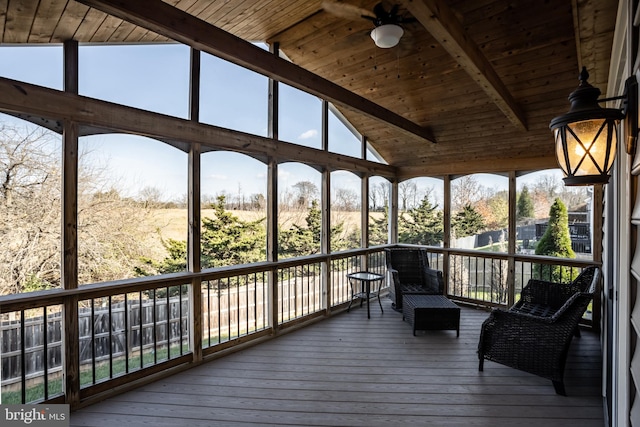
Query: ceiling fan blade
(346, 10)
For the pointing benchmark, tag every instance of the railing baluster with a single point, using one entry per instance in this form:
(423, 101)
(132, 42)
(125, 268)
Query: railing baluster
(110, 340)
(45, 349)
(23, 357)
(127, 344)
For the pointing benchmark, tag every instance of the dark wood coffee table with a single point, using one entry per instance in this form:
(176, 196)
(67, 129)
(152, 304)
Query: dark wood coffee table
(430, 312)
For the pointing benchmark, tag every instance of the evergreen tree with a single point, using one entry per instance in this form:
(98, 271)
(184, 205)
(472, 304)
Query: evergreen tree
(225, 240)
(555, 242)
(467, 222)
(305, 240)
(228, 240)
(422, 225)
(379, 229)
(525, 205)
(300, 240)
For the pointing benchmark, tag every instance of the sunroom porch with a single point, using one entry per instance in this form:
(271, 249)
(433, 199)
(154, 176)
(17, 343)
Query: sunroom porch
(294, 349)
(350, 370)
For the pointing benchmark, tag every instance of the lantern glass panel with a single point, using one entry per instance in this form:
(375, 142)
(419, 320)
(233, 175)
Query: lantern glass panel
(588, 147)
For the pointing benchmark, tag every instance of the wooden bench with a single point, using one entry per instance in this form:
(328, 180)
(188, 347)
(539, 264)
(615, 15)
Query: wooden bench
(430, 312)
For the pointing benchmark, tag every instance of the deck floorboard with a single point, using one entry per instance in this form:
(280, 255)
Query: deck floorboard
(352, 371)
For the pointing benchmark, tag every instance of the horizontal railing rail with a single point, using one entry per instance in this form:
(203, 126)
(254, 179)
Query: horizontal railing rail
(130, 329)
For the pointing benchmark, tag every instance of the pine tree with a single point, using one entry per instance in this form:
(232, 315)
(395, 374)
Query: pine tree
(467, 222)
(555, 242)
(422, 225)
(225, 240)
(525, 205)
(379, 229)
(305, 240)
(300, 240)
(228, 240)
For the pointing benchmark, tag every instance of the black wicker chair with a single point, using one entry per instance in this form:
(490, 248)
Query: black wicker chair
(534, 335)
(409, 268)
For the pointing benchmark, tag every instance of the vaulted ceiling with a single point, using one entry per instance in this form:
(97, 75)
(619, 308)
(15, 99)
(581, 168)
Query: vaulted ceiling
(481, 78)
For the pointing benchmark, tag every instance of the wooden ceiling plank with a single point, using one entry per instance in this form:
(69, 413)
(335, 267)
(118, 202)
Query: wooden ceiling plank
(123, 32)
(19, 20)
(91, 23)
(4, 4)
(276, 18)
(442, 23)
(108, 27)
(70, 21)
(45, 20)
(180, 26)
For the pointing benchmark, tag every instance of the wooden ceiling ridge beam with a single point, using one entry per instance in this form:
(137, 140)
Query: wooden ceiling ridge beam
(441, 22)
(178, 25)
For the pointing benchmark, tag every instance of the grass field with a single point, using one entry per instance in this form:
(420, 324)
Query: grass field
(172, 223)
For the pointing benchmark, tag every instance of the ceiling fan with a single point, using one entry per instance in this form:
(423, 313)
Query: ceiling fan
(388, 24)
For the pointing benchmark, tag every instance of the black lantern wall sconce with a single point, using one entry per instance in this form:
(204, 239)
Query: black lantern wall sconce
(586, 137)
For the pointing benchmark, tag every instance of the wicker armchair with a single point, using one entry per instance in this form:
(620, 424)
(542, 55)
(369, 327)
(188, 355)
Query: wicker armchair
(409, 268)
(534, 335)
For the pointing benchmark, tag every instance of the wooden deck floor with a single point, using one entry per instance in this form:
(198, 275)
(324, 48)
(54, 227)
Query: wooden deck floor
(351, 371)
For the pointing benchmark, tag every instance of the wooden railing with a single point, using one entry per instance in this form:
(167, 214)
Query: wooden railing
(133, 330)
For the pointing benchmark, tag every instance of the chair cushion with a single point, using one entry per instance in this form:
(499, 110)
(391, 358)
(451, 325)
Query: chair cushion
(435, 281)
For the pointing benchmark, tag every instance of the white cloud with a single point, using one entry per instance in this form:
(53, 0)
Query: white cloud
(311, 133)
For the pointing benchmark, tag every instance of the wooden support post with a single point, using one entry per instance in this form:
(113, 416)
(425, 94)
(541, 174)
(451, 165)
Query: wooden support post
(596, 249)
(364, 220)
(274, 95)
(393, 213)
(446, 235)
(194, 213)
(272, 239)
(511, 261)
(69, 273)
(193, 250)
(325, 238)
(272, 196)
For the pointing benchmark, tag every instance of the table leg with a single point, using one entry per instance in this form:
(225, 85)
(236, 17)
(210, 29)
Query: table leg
(351, 301)
(368, 292)
(379, 289)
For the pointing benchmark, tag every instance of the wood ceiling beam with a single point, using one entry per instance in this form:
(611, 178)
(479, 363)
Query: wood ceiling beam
(44, 106)
(180, 26)
(444, 26)
(498, 166)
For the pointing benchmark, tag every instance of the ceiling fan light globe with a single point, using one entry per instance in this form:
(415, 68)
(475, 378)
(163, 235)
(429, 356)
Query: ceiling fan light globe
(386, 36)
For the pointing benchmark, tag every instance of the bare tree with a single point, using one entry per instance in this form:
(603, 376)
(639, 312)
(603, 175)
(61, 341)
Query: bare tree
(150, 197)
(30, 209)
(547, 184)
(113, 233)
(305, 192)
(345, 199)
(465, 191)
(407, 192)
(379, 195)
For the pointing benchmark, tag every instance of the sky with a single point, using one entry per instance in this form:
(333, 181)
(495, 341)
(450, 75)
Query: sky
(155, 78)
